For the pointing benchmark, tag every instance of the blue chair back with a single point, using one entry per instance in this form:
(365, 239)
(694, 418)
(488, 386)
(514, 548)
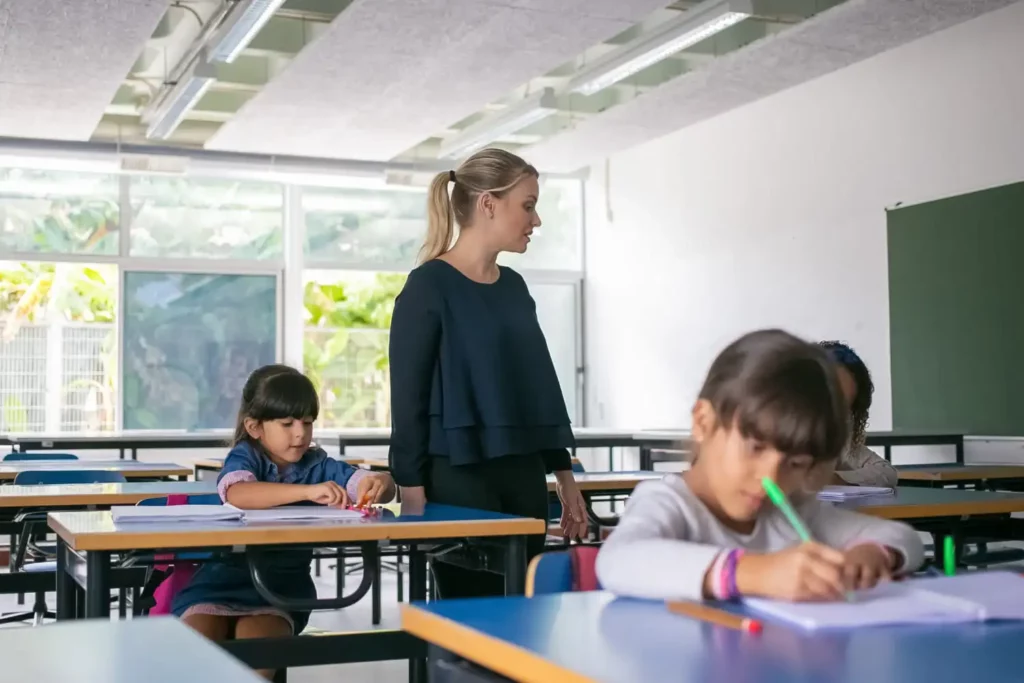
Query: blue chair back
(555, 508)
(39, 456)
(32, 477)
(549, 572)
(198, 499)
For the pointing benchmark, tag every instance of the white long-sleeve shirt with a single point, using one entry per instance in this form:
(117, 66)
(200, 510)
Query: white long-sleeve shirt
(861, 466)
(667, 539)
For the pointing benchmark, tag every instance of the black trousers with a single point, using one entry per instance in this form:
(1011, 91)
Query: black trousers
(514, 484)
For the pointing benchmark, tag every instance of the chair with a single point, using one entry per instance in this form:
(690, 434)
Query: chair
(563, 571)
(29, 521)
(11, 457)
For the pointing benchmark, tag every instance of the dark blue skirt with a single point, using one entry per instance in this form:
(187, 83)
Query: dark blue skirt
(228, 583)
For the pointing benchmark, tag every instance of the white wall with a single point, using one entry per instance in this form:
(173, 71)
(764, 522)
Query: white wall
(773, 214)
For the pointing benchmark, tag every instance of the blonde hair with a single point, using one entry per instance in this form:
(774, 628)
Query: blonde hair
(490, 171)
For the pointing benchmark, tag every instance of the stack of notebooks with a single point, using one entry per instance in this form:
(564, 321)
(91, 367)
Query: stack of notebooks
(980, 596)
(841, 493)
(228, 513)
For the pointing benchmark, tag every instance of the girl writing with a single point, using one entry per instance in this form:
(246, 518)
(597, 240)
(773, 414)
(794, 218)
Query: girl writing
(271, 464)
(770, 407)
(858, 465)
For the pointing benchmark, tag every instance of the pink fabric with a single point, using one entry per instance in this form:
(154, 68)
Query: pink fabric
(180, 573)
(351, 488)
(584, 559)
(232, 478)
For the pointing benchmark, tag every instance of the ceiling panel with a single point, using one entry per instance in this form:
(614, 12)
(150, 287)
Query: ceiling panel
(846, 34)
(61, 61)
(389, 74)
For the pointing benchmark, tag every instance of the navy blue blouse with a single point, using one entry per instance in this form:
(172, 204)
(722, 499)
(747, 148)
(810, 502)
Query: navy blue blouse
(471, 375)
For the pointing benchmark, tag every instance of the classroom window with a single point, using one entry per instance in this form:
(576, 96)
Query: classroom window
(557, 314)
(190, 342)
(58, 347)
(345, 353)
(58, 212)
(557, 244)
(205, 218)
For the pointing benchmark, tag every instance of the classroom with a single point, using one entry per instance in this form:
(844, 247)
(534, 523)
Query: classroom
(300, 300)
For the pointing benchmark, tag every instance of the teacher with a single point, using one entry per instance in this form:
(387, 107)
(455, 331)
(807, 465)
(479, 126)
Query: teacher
(478, 417)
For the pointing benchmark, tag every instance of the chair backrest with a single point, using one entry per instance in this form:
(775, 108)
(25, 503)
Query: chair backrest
(563, 571)
(40, 456)
(31, 477)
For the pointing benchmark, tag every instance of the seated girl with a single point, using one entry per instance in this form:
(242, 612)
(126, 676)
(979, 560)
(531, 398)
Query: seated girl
(858, 465)
(771, 406)
(272, 464)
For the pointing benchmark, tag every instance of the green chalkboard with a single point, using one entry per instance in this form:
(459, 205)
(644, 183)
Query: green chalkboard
(956, 313)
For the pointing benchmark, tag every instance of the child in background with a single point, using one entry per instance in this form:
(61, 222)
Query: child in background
(858, 465)
(271, 464)
(770, 407)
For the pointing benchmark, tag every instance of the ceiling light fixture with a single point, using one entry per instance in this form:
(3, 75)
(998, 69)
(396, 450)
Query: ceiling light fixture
(239, 27)
(165, 114)
(695, 25)
(513, 118)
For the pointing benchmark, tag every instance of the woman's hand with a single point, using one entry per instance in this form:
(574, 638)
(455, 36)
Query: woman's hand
(373, 488)
(866, 565)
(805, 572)
(328, 493)
(574, 520)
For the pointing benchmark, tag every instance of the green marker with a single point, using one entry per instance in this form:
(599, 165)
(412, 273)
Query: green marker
(949, 556)
(780, 501)
(777, 497)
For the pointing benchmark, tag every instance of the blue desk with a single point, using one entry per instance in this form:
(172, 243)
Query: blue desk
(595, 638)
(158, 650)
(88, 541)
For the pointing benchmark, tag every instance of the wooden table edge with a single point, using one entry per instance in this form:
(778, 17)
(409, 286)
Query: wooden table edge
(280, 534)
(489, 652)
(76, 500)
(957, 509)
(967, 473)
(128, 473)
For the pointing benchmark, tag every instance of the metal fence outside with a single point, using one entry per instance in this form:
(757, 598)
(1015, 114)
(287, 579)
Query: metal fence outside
(63, 377)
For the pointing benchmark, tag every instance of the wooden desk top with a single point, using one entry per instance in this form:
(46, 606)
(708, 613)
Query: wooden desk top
(608, 481)
(155, 649)
(83, 495)
(373, 463)
(921, 503)
(592, 637)
(131, 469)
(97, 531)
(960, 473)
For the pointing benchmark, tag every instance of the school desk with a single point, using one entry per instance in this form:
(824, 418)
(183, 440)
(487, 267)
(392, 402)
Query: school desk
(209, 468)
(596, 638)
(131, 469)
(87, 542)
(157, 650)
(96, 495)
(679, 440)
(978, 476)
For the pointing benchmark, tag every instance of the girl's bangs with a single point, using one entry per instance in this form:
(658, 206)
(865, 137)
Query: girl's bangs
(286, 395)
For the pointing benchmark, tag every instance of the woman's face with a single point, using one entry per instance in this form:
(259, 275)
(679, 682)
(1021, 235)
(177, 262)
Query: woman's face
(515, 216)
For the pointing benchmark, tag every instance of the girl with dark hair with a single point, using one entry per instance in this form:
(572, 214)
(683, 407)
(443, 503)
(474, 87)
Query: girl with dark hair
(858, 465)
(770, 407)
(271, 463)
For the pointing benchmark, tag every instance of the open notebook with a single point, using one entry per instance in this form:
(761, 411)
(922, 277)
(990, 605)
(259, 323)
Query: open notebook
(841, 493)
(979, 596)
(229, 513)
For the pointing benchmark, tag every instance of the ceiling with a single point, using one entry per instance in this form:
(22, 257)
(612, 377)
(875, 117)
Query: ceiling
(394, 80)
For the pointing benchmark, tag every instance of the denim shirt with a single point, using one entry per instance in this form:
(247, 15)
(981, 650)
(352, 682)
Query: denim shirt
(245, 463)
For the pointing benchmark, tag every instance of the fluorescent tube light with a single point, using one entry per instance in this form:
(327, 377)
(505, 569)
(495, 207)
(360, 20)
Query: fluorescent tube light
(171, 109)
(239, 27)
(516, 117)
(697, 24)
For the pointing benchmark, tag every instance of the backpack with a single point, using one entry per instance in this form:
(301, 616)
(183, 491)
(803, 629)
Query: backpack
(583, 559)
(164, 581)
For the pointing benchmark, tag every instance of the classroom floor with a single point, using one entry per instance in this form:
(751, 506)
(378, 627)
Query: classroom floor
(356, 617)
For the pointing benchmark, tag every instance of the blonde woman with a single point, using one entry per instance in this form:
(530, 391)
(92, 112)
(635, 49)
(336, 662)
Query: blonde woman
(478, 417)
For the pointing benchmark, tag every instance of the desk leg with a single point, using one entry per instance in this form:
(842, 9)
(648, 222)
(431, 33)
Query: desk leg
(960, 451)
(66, 586)
(515, 565)
(646, 459)
(339, 573)
(97, 585)
(376, 566)
(417, 591)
